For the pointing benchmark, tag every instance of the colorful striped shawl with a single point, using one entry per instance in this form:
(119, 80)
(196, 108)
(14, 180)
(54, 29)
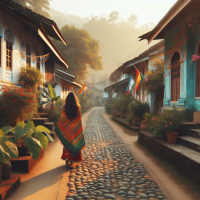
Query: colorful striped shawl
(70, 133)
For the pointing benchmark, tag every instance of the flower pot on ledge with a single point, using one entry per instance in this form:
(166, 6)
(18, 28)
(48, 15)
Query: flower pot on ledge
(130, 123)
(172, 137)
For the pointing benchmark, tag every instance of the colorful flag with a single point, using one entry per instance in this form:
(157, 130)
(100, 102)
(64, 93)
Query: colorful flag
(130, 85)
(82, 90)
(139, 79)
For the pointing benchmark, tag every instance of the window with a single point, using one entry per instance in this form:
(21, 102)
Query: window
(8, 55)
(37, 60)
(28, 55)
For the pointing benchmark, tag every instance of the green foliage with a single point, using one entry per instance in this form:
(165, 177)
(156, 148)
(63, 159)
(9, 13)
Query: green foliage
(168, 121)
(81, 51)
(154, 80)
(30, 77)
(58, 110)
(7, 148)
(16, 104)
(35, 138)
(138, 108)
(130, 118)
(125, 101)
(36, 6)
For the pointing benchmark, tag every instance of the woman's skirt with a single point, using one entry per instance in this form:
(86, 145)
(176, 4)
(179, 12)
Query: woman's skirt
(69, 156)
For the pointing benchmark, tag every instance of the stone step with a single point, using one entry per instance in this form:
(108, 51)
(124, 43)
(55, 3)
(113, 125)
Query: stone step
(194, 133)
(190, 142)
(43, 115)
(40, 121)
(49, 125)
(185, 159)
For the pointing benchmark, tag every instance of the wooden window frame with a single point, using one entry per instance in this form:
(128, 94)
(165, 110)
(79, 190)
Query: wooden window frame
(9, 57)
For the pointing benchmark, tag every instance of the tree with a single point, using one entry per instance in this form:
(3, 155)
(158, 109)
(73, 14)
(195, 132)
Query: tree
(36, 6)
(82, 51)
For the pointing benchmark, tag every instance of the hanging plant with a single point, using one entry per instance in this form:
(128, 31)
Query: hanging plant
(154, 80)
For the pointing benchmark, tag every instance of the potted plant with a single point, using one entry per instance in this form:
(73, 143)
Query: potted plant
(7, 150)
(174, 121)
(32, 138)
(50, 96)
(138, 109)
(130, 119)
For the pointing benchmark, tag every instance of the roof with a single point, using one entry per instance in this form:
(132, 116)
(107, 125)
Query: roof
(106, 89)
(142, 57)
(23, 13)
(67, 77)
(37, 23)
(177, 12)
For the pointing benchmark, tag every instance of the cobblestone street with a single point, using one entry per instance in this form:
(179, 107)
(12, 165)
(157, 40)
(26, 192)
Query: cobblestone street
(108, 170)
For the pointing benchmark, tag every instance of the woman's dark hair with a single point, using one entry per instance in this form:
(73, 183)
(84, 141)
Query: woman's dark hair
(71, 106)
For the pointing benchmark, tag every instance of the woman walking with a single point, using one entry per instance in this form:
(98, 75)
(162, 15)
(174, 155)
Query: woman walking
(69, 130)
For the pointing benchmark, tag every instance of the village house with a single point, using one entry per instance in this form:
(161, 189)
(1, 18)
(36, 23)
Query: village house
(181, 34)
(119, 82)
(144, 64)
(25, 40)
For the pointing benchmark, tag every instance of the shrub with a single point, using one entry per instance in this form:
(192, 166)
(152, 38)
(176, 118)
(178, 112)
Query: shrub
(168, 121)
(138, 108)
(17, 104)
(58, 110)
(30, 77)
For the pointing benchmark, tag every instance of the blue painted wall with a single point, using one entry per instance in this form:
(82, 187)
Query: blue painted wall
(188, 73)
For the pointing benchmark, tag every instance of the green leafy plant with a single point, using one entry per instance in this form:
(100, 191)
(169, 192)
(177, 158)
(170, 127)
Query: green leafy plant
(7, 147)
(50, 96)
(130, 118)
(138, 108)
(168, 121)
(35, 138)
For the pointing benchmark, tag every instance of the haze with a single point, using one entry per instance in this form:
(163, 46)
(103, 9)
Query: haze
(119, 39)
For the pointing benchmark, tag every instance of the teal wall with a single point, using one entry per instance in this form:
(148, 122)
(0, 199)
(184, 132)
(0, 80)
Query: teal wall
(187, 73)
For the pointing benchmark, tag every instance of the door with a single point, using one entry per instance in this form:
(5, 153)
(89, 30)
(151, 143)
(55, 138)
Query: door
(198, 75)
(175, 77)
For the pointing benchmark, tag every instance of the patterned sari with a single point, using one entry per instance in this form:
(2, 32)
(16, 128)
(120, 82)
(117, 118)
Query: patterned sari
(70, 133)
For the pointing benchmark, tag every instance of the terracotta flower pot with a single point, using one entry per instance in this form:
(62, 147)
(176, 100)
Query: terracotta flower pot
(144, 125)
(136, 121)
(130, 123)
(172, 137)
(117, 114)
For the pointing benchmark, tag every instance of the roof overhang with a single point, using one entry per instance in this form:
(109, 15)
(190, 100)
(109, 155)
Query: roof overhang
(50, 44)
(106, 89)
(171, 14)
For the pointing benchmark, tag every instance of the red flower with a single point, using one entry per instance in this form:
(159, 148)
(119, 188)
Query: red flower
(29, 90)
(5, 90)
(165, 126)
(14, 100)
(32, 95)
(8, 95)
(3, 107)
(25, 101)
(37, 101)
(21, 94)
(3, 101)
(31, 101)
(29, 110)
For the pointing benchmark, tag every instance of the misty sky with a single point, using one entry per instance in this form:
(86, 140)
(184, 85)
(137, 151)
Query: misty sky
(147, 10)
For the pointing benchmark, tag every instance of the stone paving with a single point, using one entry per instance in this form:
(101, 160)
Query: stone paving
(108, 170)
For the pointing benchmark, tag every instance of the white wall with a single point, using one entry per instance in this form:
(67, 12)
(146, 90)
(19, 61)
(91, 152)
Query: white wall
(20, 34)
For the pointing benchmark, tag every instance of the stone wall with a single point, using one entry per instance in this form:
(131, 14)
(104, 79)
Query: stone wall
(185, 164)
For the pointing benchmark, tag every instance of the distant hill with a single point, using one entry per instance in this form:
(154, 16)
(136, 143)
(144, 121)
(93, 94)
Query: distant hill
(62, 18)
(118, 38)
